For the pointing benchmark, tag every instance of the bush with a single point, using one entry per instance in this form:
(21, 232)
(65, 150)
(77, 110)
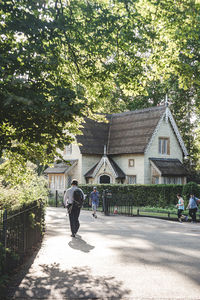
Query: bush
(159, 195)
(19, 183)
(20, 187)
(190, 188)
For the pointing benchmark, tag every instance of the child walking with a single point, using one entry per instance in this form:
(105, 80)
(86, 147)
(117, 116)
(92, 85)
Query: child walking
(94, 200)
(180, 206)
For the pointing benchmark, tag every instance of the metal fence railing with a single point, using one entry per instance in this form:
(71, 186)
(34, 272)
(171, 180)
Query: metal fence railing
(21, 230)
(125, 206)
(56, 199)
(122, 204)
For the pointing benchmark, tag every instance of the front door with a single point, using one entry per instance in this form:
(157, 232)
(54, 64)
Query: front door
(104, 179)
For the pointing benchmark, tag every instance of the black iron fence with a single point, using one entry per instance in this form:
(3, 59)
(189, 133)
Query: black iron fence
(125, 205)
(20, 231)
(56, 199)
(122, 204)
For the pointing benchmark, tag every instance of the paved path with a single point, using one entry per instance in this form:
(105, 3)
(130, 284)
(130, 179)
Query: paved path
(114, 257)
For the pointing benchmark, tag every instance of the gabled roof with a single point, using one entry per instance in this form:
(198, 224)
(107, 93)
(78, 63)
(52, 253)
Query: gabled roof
(95, 136)
(127, 132)
(169, 166)
(61, 168)
(90, 173)
(130, 132)
(118, 173)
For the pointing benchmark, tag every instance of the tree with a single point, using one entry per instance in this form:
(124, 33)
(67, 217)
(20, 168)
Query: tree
(63, 60)
(39, 100)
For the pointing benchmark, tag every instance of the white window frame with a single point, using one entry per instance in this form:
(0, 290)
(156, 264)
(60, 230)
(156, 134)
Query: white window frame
(172, 180)
(52, 182)
(131, 179)
(131, 162)
(155, 180)
(163, 145)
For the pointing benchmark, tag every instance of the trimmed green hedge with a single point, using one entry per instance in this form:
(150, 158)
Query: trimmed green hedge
(191, 188)
(160, 195)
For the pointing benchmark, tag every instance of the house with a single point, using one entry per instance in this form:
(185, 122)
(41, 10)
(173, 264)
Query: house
(135, 147)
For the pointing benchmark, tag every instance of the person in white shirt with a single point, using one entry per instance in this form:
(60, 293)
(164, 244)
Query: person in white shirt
(181, 207)
(73, 209)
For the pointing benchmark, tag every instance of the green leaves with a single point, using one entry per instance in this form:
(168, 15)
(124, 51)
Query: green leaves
(63, 60)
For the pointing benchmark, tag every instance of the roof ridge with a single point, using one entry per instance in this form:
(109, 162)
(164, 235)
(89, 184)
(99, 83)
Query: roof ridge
(138, 111)
(163, 158)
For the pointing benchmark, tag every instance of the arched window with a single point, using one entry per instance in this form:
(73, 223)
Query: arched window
(104, 179)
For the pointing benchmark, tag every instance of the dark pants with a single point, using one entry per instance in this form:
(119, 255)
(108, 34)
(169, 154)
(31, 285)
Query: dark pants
(179, 213)
(192, 213)
(73, 218)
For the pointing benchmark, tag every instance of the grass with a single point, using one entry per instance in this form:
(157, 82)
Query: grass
(157, 212)
(166, 213)
(52, 201)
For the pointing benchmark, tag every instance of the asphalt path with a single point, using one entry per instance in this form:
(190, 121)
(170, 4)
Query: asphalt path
(113, 257)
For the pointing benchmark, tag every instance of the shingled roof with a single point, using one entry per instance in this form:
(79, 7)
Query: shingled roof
(95, 136)
(61, 168)
(169, 166)
(125, 133)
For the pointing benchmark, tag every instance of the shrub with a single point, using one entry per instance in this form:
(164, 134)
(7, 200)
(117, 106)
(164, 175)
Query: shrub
(19, 183)
(159, 195)
(190, 187)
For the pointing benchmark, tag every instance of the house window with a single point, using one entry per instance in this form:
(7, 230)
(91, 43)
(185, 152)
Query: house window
(61, 182)
(173, 180)
(164, 145)
(131, 162)
(68, 149)
(155, 180)
(179, 180)
(131, 179)
(57, 182)
(52, 182)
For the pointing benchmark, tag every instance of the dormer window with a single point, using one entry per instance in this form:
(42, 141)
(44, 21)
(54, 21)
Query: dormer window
(164, 145)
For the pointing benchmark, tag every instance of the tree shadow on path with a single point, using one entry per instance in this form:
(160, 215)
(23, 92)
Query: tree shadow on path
(77, 283)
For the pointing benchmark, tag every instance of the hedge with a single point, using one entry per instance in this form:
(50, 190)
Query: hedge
(160, 195)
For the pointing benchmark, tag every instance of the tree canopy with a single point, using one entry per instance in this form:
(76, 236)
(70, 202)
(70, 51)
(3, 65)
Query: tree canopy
(64, 60)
